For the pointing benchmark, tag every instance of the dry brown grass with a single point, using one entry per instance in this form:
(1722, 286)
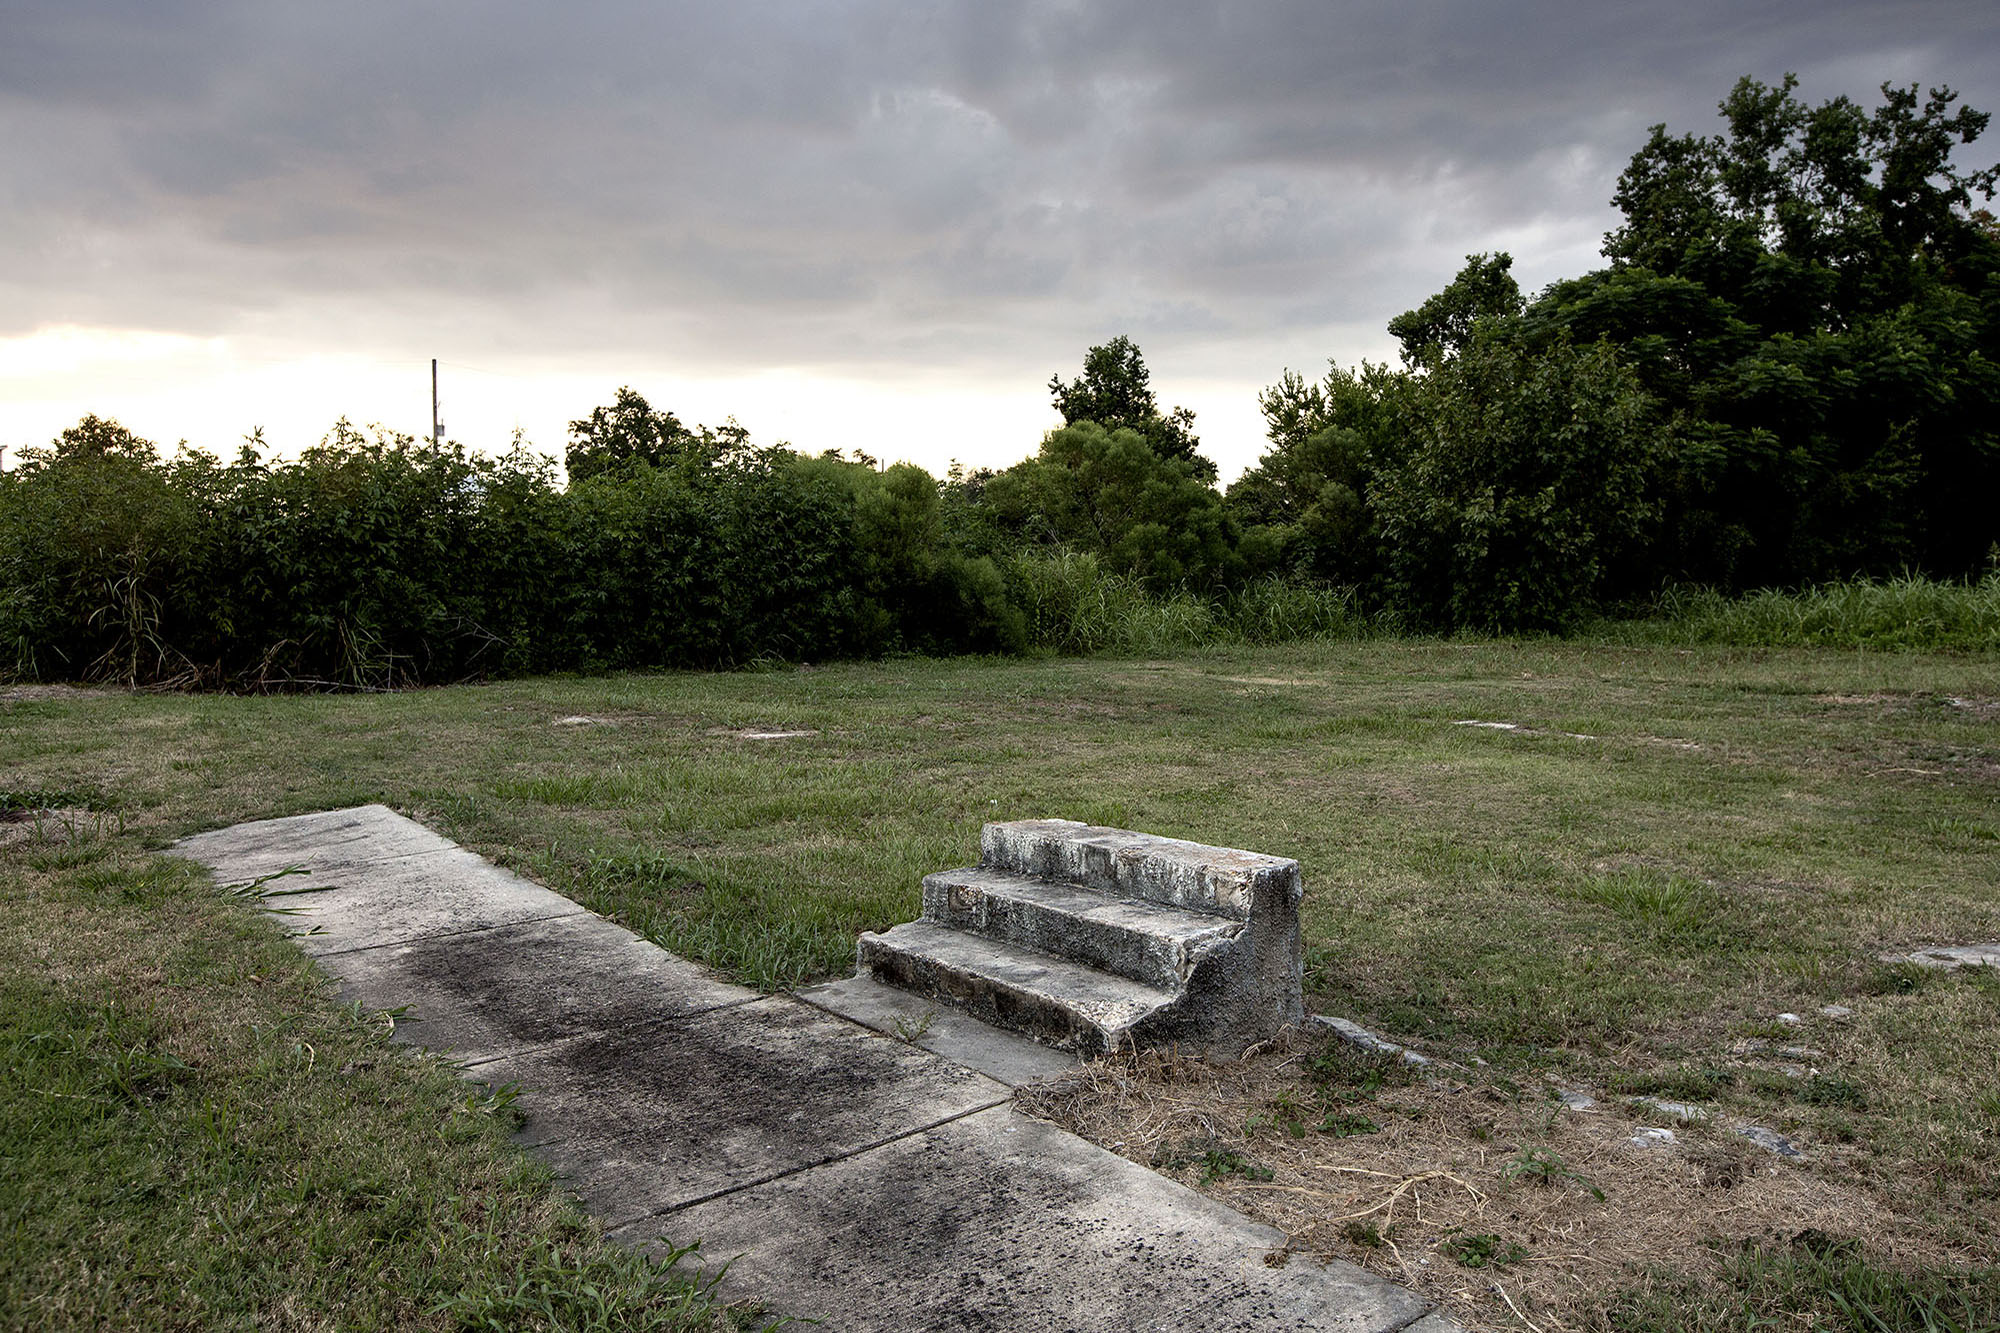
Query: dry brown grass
(1445, 1165)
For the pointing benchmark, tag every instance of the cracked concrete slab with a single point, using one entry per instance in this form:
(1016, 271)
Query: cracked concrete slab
(1001, 1222)
(379, 879)
(487, 993)
(644, 1122)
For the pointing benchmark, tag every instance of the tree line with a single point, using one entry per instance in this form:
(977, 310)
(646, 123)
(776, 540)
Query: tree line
(1787, 372)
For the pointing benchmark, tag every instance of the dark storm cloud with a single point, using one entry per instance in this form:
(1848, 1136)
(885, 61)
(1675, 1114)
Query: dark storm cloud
(846, 181)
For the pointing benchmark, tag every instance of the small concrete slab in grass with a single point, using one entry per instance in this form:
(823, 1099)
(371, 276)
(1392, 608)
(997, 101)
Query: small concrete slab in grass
(1949, 957)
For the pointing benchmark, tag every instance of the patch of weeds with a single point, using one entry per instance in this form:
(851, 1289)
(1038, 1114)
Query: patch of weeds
(1681, 1085)
(1812, 1280)
(1348, 1125)
(498, 1102)
(112, 1057)
(1824, 1090)
(19, 801)
(1769, 1031)
(1216, 1160)
(911, 1030)
(70, 856)
(1321, 968)
(1484, 1250)
(1363, 1233)
(1542, 1166)
(1985, 979)
(1342, 1065)
(1675, 906)
(1228, 1162)
(1898, 979)
(134, 885)
(1286, 1113)
(259, 890)
(760, 932)
(1771, 1082)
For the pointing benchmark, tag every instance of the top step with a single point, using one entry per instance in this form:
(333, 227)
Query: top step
(1191, 875)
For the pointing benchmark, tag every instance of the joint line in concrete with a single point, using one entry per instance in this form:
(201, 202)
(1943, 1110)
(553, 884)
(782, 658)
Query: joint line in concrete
(789, 1172)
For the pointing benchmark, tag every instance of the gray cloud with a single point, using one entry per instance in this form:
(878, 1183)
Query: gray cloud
(981, 184)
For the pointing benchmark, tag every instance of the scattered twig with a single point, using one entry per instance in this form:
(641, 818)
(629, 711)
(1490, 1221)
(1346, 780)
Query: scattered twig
(1388, 1202)
(1515, 1308)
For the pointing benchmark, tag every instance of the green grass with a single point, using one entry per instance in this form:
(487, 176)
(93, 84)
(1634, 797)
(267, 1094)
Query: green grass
(193, 1135)
(1740, 834)
(1813, 1281)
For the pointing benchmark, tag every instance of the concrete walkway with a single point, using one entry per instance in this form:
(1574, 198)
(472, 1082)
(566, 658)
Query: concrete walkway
(865, 1181)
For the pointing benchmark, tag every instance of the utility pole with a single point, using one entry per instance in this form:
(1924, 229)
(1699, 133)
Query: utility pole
(437, 427)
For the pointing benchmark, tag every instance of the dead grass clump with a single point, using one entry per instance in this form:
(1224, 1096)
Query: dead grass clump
(1493, 1200)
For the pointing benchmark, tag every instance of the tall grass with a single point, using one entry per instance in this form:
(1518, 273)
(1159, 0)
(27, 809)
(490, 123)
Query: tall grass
(1075, 606)
(1911, 612)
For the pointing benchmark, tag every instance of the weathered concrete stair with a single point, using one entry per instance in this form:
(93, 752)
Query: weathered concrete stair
(1093, 939)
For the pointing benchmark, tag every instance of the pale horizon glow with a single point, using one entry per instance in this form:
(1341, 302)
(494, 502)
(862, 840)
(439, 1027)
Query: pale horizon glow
(204, 393)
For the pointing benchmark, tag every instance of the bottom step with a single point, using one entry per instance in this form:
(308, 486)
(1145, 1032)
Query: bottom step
(1051, 999)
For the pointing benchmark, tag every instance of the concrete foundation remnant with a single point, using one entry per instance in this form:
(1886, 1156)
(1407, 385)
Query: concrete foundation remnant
(1094, 939)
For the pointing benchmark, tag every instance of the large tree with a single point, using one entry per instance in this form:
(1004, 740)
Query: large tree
(1813, 297)
(1115, 392)
(1789, 371)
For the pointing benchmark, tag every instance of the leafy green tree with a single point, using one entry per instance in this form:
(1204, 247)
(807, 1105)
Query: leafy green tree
(1106, 492)
(1442, 326)
(1115, 392)
(1306, 507)
(631, 432)
(1523, 488)
(1812, 296)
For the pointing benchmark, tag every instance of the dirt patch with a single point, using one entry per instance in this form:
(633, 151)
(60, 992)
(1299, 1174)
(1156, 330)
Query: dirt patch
(63, 824)
(23, 693)
(1460, 1187)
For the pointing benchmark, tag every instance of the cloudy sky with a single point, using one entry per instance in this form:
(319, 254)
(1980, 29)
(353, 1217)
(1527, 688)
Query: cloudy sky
(848, 224)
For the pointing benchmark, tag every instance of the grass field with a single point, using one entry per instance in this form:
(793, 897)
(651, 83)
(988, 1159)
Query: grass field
(1670, 848)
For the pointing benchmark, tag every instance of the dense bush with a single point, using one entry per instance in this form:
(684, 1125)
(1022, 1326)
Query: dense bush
(1108, 494)
(1520, 487)
(377, 561)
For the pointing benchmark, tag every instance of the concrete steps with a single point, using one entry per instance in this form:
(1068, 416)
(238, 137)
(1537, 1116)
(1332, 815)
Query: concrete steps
(1093, 939)
(1126, 936)
(1064, 1003)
